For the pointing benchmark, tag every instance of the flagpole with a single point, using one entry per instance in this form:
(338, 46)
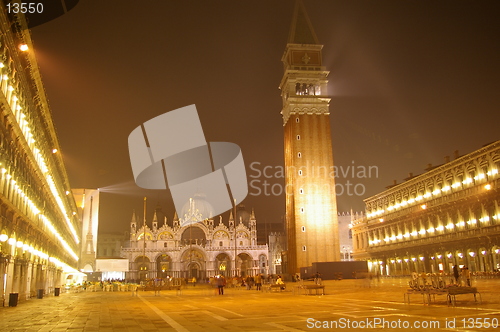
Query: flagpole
(144, 239)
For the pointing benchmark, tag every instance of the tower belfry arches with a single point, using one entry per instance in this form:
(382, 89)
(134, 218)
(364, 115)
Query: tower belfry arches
(311, 208)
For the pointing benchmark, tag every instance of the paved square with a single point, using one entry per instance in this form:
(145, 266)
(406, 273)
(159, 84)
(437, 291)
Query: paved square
(347, 305)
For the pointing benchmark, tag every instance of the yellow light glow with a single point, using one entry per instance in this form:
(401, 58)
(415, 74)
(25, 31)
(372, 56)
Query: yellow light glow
(486, 218)
(479, 176)
(23, 47)
(487, 187)
(423, 206)
(4, 237)
(54, 150)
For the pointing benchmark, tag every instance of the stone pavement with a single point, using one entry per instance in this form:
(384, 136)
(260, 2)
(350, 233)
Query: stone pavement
(348, 305)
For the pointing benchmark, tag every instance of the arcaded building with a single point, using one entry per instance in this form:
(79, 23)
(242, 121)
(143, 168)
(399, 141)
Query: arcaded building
(446, 216)
(178, 248)
(39, 227)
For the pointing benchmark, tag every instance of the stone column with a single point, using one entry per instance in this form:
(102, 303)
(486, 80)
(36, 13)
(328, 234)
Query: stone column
(16, 280)
(10, 275)
(29, 278)
(3, 269)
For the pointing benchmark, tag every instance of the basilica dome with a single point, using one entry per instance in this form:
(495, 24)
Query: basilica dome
(196, 210)
(242, 215)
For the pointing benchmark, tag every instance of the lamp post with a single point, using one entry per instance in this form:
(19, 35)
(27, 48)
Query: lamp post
(144, 241)
(235, 243)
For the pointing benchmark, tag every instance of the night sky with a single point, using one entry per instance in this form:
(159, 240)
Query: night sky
(410, 82)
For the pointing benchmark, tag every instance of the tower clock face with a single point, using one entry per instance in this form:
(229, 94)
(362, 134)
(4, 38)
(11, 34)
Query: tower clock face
(308, 58)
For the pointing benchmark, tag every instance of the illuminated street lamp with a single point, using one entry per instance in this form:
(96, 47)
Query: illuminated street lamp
(23, 47)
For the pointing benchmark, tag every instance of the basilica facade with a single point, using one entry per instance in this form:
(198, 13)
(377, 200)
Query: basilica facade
(180, 249)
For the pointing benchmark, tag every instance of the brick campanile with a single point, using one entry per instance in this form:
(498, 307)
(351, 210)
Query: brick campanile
(311, 206)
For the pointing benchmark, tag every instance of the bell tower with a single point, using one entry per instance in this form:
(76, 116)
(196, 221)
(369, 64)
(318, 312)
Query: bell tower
(311, 206)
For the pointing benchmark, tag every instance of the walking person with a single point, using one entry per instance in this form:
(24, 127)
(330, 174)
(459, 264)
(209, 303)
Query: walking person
(220, 282)
(456, 274)
(466, 276)
(280, 282)
(258, 281)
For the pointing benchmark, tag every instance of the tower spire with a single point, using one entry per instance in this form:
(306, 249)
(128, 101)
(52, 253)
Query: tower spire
(90, 236)
(301, 30)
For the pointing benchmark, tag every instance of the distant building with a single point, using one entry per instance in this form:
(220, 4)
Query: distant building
(277, 246)
(177, 248)
(345, 234)
(87, 201)
(109, 245)
(446, 216)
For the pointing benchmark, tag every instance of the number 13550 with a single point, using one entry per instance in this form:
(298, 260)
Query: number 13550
(31, 7)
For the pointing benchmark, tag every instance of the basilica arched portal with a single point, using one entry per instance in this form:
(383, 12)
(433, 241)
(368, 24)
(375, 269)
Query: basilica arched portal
(164, 266)
(142, 267)
(193, 263)
(223, 264)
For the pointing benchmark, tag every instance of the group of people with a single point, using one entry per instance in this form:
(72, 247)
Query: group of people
(251, 281)
(220, 282)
